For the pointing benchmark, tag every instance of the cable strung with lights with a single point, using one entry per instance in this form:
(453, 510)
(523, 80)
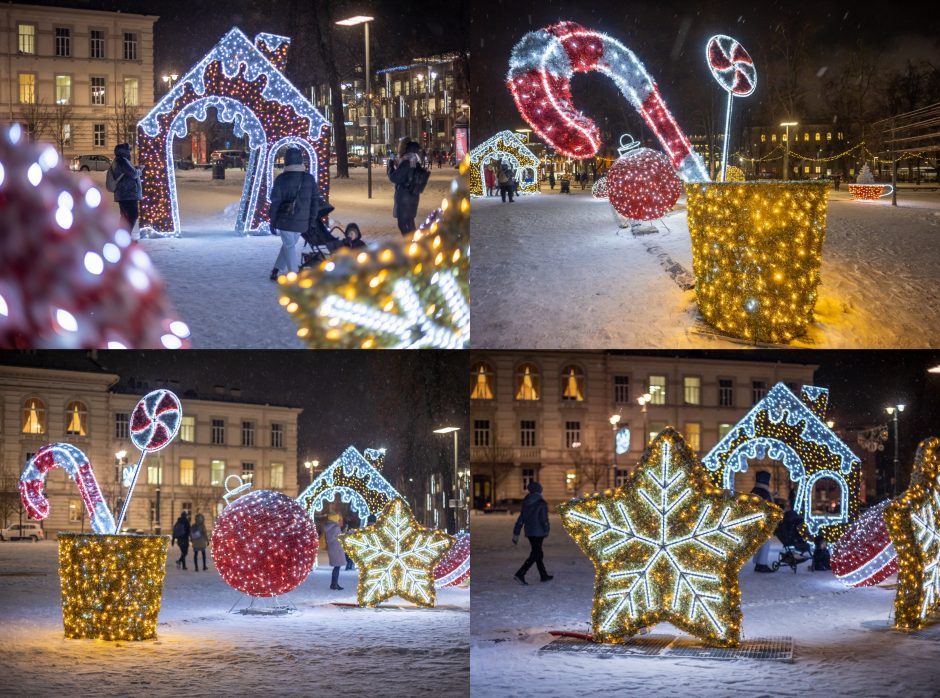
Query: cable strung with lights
(358, 482)
(69, 278)
(454, 569)
(913, 521)
(244, 83)
(756, 255)
(790, 429)
(400, 295)
(540, 71)
(864, 555)
(396, 556)
(668, 546)
(641, 184)
(504, 146)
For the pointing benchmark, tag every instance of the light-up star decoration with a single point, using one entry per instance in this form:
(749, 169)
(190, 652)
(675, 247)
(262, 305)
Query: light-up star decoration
(668, 546)
(913, 521)
(399, 295)
(396, 556)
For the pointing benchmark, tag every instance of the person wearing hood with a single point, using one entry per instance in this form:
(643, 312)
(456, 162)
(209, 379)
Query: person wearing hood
(125, 178)
(295, 205)
(402, 173)
(181, 538)
(199, 535)
(534, 519)
(762, 490)
(331, 531)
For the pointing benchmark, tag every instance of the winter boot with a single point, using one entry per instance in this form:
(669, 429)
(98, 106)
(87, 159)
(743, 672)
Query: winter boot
(519, 578)
(274, 274)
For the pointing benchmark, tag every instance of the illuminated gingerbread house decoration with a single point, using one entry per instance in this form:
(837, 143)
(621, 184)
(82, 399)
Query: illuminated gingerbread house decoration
(356, 479)
(244, 83)
(504, 146)
(791, 430)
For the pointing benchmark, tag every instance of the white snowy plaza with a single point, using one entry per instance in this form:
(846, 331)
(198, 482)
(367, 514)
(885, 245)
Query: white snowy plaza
(202, 650)
(563, 257)
(843, 644)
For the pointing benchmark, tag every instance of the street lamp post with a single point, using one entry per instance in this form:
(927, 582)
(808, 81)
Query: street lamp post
(454, 430)
(311, 465)
(893, 411)
(614, 421)
(350, 22)
(169, 80)
(643, 401)
(786, 148)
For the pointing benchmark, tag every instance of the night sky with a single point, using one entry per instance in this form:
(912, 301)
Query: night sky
(669, 37)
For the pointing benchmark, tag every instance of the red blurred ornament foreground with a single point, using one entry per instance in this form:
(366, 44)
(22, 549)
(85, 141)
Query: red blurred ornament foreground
(642, 185)
(264, 544)
(865, 555)
(69, 275)
(454, 569)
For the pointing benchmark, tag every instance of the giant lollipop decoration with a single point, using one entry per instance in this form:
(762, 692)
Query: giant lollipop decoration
(154, 423)
(734, 70)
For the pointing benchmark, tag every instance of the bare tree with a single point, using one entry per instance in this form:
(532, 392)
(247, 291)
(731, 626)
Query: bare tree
(789, 50)
(591, 464)
(123, 122)
(62, 126)
(204, 498)
(9, 496)
(494, 461)
(36, 117)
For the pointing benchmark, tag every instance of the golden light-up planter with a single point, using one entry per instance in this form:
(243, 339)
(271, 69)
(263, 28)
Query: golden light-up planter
(111, 585)
(756, 253)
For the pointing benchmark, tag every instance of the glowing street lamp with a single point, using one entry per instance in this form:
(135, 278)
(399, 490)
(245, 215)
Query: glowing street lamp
(170, 79)
(364, 21)
(893, 411)
(643, 401)
(454, 430)
(786, 148)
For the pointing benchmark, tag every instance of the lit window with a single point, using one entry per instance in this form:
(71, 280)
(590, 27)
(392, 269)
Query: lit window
(34, 416)
(131, 92)
(481, 432)
(818, 137)
(27, 88)
(528, 386)
(621, 389)
(839, 135)
(763, 138)
(572, 434)
(693, 390)
(805, 136)
(248, 472)
(723, 429)
(805, 169)
(154, 471)
(481, 382)
(63, 89)
(27, 38)
(572, 384)
(98, 96)
(76, 419)
(655, 428)
(248, 433)
(828, 135)
(657, 390)
(784, 136)
(188, 429)
(187, 471)
(527, 433)
(277, 436)
(693, 435)
(277, 475)
(818, 169)
(773, 137)
(76, 510)
(571, 481)
(217, 476)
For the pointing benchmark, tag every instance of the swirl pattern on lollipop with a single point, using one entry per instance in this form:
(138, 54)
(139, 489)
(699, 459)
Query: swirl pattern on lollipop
(73, 461)
(731, 65)
(156, 420)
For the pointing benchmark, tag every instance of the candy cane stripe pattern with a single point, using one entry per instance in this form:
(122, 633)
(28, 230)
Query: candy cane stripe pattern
(540, 71)
(156, 420)
(731, 65)
(76, 464)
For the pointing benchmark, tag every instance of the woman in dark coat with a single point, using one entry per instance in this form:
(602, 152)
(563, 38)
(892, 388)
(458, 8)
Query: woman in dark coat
(295, 204)
(402, 174)
(534, 518)
(181, 538)
(128, 191)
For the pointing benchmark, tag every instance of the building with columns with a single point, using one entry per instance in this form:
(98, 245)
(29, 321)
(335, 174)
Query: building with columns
(220, 436)
(546, 416)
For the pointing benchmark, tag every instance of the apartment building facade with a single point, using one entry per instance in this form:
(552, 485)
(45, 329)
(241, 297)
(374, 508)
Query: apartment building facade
(547, 416)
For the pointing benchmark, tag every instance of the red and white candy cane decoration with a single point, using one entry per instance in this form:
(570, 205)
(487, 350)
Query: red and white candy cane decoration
(76, 464)
(540, 71)
(865, 555)
(734, 70)
(454, 568)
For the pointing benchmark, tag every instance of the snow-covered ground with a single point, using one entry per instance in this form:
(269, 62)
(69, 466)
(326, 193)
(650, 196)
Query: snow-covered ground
(561, 257)
(219, 281)
(202, 650)
(843, 642)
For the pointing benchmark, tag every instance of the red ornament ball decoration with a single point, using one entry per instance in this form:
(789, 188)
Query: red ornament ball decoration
(642, 185)
(70, 277)
(865, 555)
(454, 569)
(264, 544)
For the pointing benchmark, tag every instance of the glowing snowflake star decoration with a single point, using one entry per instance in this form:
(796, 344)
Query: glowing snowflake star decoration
(913, 521)
(668, 546)
(396, 557)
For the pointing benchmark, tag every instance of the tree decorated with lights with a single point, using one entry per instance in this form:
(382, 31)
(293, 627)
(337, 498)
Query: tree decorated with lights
(865, 176)
(411, 294)
(243, 81)
(913, 521)
(507, 146)
(396, 556)
(668, 546)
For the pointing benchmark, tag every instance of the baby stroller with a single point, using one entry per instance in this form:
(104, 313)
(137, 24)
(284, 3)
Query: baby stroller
(321, 241)
(796, 550)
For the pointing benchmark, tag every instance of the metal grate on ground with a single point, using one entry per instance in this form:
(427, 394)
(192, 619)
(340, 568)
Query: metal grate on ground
(774, 648)
(700, 327)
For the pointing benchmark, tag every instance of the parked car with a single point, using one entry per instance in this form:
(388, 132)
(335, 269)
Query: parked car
(356, 161)
(510, 505)
(184, 163)
(229, 158)
(29, 530)
(85, 163)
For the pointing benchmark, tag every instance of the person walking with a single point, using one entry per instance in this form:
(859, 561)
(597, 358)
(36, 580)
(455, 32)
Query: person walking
(181, 538)
(295, 198)
(199, 535)
(762, 490)
(331, 533)
(534, 519)
(409, 177)
(123, 179)
(551, 180)
(489, 179)
(504, 179)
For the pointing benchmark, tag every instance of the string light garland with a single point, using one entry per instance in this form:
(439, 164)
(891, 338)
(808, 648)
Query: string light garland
(396, 556)
(668, 546)
(69, 278)
(264, 544)
(405, 295)
(864, 555)
(599, 190)
(913, 522)
(112, 586)
(505, 145)
(243, 82)
(641, 184)
(790, 429)
(540, 71)
(756, 255)
(454, 569)
(358, 482)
